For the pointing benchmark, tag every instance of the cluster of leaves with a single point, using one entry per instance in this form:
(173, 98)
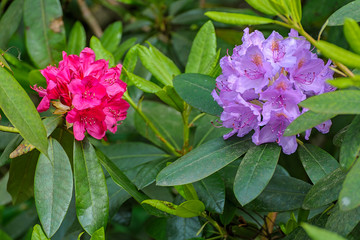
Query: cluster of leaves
(168, 164)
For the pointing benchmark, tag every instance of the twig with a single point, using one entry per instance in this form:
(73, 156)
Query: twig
(9, 129)
(89, 18)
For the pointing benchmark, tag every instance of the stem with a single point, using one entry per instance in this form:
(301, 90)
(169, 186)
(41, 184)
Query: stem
(185, 116)
(9, 129)
(222, 231)
(196, 118)
(89, 18)
(150, 124)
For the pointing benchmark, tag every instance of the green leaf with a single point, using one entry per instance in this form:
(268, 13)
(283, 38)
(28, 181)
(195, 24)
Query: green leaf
(21, 112)
(350, 10)
(345, 82)
(255, 172)
(4, 236)
(295, 8)
(203, 161)
(317, 162)
(5, 196)
(44, 31)
(10, 22)
(187, 191)
(38, 233)
(100, 51)
(237, 18)
(77, 39)
(317, 233)
(146, 173)
(166, 119)
(10, 147)
(338, 102)
(53, 187)
(338, 54)
(21, 178)
(112, 36)
(262, 6)
(120, 51)
(164, 206)
(325, 191)
(92, 202)
(211, 192)
(169, 96)
(141, 83)
(98, 235)
(349, 197)
(203, 50)
(306, 121)
(4, 63)
(190, 208)
(162, 67)
(343, 222)
(283, 193)
(350, 147)
(196, 90)
(51, 123)
(352, 34)
(182, 228)
(129, 63)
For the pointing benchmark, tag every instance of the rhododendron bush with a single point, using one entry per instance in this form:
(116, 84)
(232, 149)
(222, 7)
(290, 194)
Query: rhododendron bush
(175, 120)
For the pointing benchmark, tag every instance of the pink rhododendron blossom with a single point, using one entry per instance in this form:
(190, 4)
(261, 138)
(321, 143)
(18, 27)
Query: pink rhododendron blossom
(87, 91)
(262, 83)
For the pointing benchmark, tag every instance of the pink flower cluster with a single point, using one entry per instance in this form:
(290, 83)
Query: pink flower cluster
(87, 91)
(262, 83)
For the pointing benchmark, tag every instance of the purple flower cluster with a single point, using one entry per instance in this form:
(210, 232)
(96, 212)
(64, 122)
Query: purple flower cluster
(263, 81)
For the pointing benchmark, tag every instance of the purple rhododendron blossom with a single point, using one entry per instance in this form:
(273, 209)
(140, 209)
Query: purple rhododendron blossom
(262, 83)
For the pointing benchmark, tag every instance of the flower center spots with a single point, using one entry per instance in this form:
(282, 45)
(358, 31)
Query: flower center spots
(256, 58)
(88, 95)
(110, 81)
(281, 86)
(88, 121)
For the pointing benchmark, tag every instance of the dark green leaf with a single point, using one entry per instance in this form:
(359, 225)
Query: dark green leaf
(120, 51)
(343, 222)
(98, 235)
(325, 191)
(349, 197)
(5, 197)
(51, 123)
(203, 50)
(21, 112)
(317, 162)
(237, 18)
(350, 10)
(101, 52)
(92, 202)
(203, 161)
(211, 192)
(306, 121)
(338, 102)
(182, 228)
(352, 34)
(317, 233)
(146, 173)
(299, 233)
(283, 193)
(12, 145)
(350, 147)
(45, 33)
(112, 36)
(190, 208)
(22, 223)
(21, 178)
(156, 228)
(255, 171)
(53, 187)
(196, 90)
(77, 39)
(38, 233)
(338, 54)
(10, 22)
(4, 236)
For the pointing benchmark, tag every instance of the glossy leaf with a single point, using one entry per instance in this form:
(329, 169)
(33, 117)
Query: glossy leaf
(92, 202)
(350, 147)
(21, 178)
(255, 171)
(343, 222)
(98, 235)
(306, 121)
(211, 191)
(345, 82)
(262, 6)
(196, 90)
(351, 10)
(45, 32)
(53, 187)
(237, 18)
(283, 193)
(21, 112)
(38, 233)
(190, 208)
(100, 51)
(77, 39)
(182, 228)
(317, 162)
(338, 102)
(121, 50)
(352, 34)
(10, 21)
(162, 67)
(141, 83)
(349, 197)
(325, 191)
(164, 206)
(317, 233)
(112, 36)
(338, 54)
(129, 63)
(203, 50)
(203, 161)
